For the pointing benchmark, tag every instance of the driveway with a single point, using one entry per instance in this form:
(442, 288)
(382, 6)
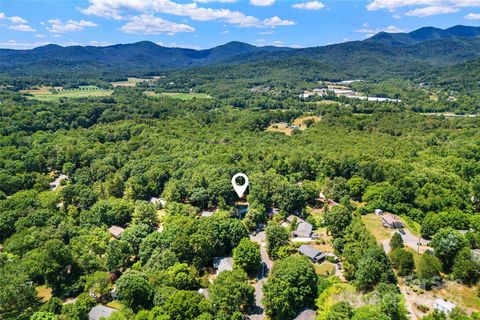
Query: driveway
(411, 240)
(259, 312)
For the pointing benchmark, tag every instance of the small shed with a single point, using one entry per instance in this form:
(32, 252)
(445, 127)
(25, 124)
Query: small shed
(314, 254)
(100, 311)
(116, 231)
(378, 212)
(443, 306)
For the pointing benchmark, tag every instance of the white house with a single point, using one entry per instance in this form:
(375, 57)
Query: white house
(444, 306)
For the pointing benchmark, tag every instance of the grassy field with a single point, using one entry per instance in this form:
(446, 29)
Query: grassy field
(376, 228)
(286, 129)
(82, 92)
(179, 95)
(325, 269)
(44, 293)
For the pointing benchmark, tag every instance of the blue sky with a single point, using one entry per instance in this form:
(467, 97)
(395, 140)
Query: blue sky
(206, 23)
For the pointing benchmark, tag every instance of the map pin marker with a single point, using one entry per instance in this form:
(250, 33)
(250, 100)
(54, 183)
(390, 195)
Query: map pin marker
(240, 189)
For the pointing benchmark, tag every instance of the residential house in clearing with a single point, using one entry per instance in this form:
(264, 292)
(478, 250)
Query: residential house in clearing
(223, 264)
(116, 231)
(314, 254)
(56, 183)
(100, 311)
(390, 221)
(378, 212)
(443, 306)
(158, 202)
(303, 228)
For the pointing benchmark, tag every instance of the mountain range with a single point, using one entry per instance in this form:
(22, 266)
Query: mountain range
(391, 53)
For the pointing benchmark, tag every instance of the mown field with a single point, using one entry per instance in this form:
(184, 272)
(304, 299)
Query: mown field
(44, 93)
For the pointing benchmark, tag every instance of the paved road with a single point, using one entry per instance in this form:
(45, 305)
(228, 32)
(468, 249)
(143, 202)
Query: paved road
(411, 240)
(259, 312)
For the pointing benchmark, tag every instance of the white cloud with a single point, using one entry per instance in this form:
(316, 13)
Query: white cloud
(431, 11)
(18, 20)
(312, 5)
(267, 32)
(473, 16)
(276, 21)
(22, 27)
(262, 3)
(99, 43)
(372, 31)
(148, 24)
(209, 1)
(423, 8)
(56, 25)
(19, 24)
(113, 9)
(225, 32)
(13, 44)
(277, 43)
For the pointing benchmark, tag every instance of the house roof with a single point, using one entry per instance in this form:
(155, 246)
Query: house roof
(389, 218)
(116, 231)
(225, 264)
(100, 311)
(291, 217)
(310, 252)
(444, 304)
(304, 228)
(307, 314)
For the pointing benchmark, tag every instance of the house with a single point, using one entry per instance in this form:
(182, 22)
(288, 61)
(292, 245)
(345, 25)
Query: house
(223, 264)
(390, 221)
(443, 306)
(56, 183)
(116, 231)
(307, 314)
(209, 212)
(304, 230)
(314, 254)
(378, 212)
(100, 311)
(158, 202)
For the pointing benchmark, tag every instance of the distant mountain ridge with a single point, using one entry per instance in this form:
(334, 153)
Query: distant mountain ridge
(425, 34)
(392, 53)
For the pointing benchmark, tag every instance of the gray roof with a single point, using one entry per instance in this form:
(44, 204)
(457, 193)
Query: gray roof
(307, 314)
(310, 252)
(226, 264)
(100, 311)
(116, 231)
(304, 229)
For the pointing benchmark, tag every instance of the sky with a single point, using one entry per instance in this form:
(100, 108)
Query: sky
(202, 24)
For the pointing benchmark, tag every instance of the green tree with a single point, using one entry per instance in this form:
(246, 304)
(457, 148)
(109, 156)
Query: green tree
(447, 243)
(341, 311)
(42, 315)
(135, 290)
(247, 256)
(80, 309)
(117, 255)
(402, 260)
(373, 268)
(465, 267)
(98, 285)
(231, 292)
(184, 305)
(291, 287)
(396, 241)
(277, 237)
(428, 269)
(145, 213)
(337, 220)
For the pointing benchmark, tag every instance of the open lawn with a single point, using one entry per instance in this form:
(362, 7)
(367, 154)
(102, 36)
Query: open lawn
(131, 82)
(82, 92)
(41, 90)
(115, 304)
(325, 269)
(460, 294)
(179, 95)
(286, 129)
(44, 293)
(375, 226)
